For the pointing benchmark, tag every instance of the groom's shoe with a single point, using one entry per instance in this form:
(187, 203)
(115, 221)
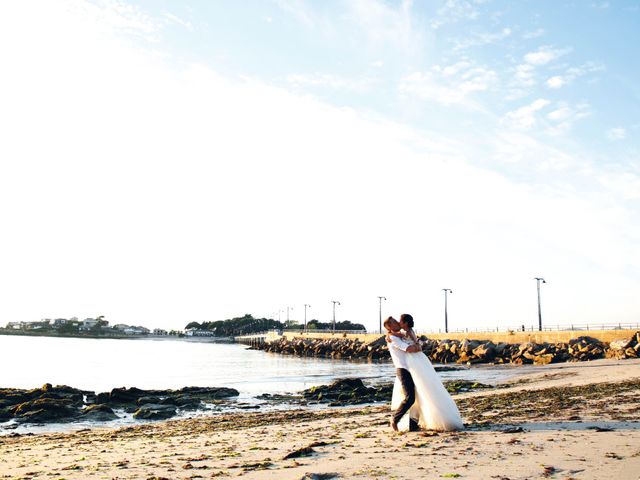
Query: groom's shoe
(394, 424)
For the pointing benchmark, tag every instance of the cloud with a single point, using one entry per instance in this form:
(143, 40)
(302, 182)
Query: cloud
(525, 117)
(616, 133)
(451, 84)
(563, 117)
(453, 11)
(559, 81)
(544, 55)
(481, 39)
(533, 34)
(172, 18)
(526, 73)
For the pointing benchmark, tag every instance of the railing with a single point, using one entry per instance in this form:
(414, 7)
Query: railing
(300, 330)
(545, 328)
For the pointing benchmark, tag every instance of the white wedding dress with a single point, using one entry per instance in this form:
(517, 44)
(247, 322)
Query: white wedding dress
(434, 409)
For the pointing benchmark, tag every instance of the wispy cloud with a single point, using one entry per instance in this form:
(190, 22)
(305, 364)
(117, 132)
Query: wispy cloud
(453, 11)
(617, 133)
(172, 18)
(451, 84)
(481, 39)
(533, 34)
(564, 116)
(559, 81)
(525, 117)
(525, 74)
(544, 55)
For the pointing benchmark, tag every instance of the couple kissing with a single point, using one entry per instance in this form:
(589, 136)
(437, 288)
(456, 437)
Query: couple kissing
(419, 400)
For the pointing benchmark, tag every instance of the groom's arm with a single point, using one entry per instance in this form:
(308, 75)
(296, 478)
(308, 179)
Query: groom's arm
(400, 344)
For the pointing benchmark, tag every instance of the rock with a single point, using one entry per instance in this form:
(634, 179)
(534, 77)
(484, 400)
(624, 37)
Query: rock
(457, 386)
(485, 351)
(543, 359)
(98, 413)
(45, 410)
(155, 412)
(347, 391)
(301, 452)
(467, 351)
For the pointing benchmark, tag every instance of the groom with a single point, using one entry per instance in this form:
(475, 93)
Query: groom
(398, 349)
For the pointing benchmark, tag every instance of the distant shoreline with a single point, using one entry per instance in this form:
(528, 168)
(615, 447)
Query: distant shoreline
(22, 333)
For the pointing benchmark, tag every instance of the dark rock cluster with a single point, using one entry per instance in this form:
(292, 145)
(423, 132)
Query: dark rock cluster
(347, 391)
(331, 348)
(352, 391)
(464, 351)
(62, 403)
(629, 348)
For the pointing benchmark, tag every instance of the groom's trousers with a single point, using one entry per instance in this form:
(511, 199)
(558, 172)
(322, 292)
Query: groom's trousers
(409, 393)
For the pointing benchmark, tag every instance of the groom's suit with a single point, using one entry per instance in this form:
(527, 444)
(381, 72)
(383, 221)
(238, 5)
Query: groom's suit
(398, 351)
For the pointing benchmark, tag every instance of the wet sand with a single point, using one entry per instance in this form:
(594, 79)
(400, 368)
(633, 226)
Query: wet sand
(575, 420)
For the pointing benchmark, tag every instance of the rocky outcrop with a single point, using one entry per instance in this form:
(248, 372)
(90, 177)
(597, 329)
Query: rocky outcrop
(330, 348)
(63, 403)
(98, 413)
(468, 351)
(629, 348)
(153, 411)
(347, 391)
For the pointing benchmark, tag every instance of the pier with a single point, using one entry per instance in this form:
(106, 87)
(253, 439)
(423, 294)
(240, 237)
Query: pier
(257, 339)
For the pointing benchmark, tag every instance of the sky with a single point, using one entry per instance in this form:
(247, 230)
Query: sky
(163, 162)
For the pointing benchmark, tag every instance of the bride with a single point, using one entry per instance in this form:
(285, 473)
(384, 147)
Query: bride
(434, 409)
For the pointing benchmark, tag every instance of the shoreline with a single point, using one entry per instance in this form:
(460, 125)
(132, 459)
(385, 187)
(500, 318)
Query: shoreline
(10, 333)
(517, 432)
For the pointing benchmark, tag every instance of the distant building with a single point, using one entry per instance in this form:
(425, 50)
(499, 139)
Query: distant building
(88, 323)
(14, 325)
(59, 322)
(160, 331)
(35, 325)
(136, 331)
(194, 332)
(121, 326)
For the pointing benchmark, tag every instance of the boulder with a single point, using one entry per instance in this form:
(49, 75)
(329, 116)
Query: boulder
(98, 413)
(155, 412)
(45, 410)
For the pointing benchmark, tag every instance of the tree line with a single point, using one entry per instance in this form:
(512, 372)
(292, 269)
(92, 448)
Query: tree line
(248, 324)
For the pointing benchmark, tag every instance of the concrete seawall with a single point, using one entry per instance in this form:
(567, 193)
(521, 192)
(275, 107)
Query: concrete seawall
(496, 337)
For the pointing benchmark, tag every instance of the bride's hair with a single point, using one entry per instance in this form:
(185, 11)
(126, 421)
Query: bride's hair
(408, 319)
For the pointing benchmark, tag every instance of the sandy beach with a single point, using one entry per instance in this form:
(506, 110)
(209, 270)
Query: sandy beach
(572, 420)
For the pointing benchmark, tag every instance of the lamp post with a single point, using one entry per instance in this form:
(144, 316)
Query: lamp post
(305, 315)
(446, 313)
(334, 313)
(380, 311)
(288, 308)
(539, 280)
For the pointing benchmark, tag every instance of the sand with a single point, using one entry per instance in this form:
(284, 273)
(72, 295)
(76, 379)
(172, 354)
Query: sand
(577, 420)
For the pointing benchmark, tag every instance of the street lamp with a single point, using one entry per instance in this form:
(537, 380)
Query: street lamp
(288, 314)
(380, 311)
(334, 313)
(538, 281)
(305, 315)
(446, 313)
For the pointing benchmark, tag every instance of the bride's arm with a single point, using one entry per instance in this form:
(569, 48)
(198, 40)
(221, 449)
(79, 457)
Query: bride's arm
(414, 337)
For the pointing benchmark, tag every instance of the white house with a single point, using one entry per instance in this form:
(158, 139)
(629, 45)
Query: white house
(160, 331)
(88, 323)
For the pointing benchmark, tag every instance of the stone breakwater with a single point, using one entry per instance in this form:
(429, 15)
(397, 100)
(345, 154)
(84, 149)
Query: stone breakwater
(62, 403)
(464, 351)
